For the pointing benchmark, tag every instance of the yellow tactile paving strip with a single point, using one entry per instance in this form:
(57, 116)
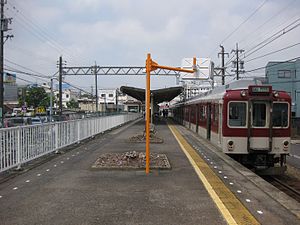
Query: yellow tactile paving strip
(231, 208)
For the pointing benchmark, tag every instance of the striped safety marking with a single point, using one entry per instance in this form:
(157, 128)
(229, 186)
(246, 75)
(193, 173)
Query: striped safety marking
(231, 208)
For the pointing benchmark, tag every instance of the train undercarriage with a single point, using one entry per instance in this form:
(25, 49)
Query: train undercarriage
(263, 164)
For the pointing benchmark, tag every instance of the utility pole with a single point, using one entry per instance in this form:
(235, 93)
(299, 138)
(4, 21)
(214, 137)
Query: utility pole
(60, 86)
(223, 53)
(237, 63)
(51, 101)
(96, 86)
(4, 28)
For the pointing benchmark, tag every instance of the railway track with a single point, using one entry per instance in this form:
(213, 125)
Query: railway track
(285, 185)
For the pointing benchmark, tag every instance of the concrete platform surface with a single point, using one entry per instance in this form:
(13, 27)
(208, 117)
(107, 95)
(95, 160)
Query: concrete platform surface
(204, 186)
(66, 191)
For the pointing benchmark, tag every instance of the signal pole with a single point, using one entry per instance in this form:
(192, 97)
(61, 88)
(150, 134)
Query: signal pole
(223, 53)
(238, 64)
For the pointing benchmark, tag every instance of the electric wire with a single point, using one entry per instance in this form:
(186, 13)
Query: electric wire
(23, 67)
(37, 31)
(280, 11)
(277, 63)
(274, 37)
(273, 52)
(241, 24)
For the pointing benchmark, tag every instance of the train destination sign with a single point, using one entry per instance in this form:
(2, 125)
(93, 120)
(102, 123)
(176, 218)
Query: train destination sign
(260, 90)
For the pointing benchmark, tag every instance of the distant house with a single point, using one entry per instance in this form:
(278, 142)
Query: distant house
(67, 96)
(286, 76)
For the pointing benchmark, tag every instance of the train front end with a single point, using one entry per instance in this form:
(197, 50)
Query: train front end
(256, 127)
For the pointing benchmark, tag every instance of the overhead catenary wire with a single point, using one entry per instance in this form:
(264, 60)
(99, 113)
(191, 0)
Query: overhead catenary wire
(273, 52)
(277, 63)
(241, 24)
(273, 37)
(280, 11)
(269, 40)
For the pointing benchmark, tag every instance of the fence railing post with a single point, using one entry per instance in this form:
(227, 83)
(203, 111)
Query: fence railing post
(78, 131)
(56, 137)
(19, 155)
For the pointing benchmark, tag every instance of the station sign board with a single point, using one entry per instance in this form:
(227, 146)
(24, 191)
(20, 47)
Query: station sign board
(204, 69)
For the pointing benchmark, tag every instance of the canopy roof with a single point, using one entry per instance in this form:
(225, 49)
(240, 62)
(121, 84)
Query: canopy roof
(159, 95)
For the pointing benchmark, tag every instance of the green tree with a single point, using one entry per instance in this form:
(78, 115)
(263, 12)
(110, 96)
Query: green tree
(72, 104)
(36, 96)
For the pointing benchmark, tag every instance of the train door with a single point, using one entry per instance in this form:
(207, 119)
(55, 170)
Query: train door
(190, 110)
(208, 121)
(259, 123)
(197, 118)
(220, 122)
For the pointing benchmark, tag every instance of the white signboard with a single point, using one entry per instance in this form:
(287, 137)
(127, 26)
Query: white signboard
(203, 69)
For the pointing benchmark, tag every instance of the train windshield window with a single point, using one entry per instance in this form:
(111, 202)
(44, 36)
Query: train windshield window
(259, 114)
(280, 115)
(237, 114)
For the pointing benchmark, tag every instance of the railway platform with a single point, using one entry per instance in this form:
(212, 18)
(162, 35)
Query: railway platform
(203, 186)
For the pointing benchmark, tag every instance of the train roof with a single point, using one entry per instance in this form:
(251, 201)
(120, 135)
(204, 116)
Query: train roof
(218, 92)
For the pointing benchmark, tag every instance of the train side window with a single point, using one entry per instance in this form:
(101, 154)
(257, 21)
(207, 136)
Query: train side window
(259, 114)
(237, 114)
(280, 115)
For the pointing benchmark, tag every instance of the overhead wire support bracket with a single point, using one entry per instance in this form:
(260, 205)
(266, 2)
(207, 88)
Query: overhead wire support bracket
(115, 70)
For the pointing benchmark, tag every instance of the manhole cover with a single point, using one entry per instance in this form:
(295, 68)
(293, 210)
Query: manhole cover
(131, 160)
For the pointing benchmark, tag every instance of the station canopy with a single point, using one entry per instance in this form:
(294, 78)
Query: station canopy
(159, 95)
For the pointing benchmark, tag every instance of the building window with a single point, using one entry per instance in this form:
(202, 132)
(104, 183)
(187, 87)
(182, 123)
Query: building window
(67, 96)
(103, 95)
(110, 95)
(284, 74)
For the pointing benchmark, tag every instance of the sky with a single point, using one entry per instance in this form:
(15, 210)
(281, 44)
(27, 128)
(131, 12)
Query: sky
(122, 32)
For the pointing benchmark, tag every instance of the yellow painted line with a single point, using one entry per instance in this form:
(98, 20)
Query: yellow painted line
(233, 211)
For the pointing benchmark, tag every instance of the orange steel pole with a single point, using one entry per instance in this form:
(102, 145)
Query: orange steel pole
(148, 70)
(150, 66)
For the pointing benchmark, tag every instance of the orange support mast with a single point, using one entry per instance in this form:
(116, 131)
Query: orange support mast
(151, 66)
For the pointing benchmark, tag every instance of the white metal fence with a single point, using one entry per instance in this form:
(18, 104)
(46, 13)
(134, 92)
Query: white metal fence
(22, 144)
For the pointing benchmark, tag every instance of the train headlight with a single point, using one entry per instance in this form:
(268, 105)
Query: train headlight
(230, 145)
(286, 145)
(243, 93)
(276, 94)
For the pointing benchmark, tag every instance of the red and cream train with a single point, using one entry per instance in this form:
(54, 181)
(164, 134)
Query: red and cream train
(246, 120)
